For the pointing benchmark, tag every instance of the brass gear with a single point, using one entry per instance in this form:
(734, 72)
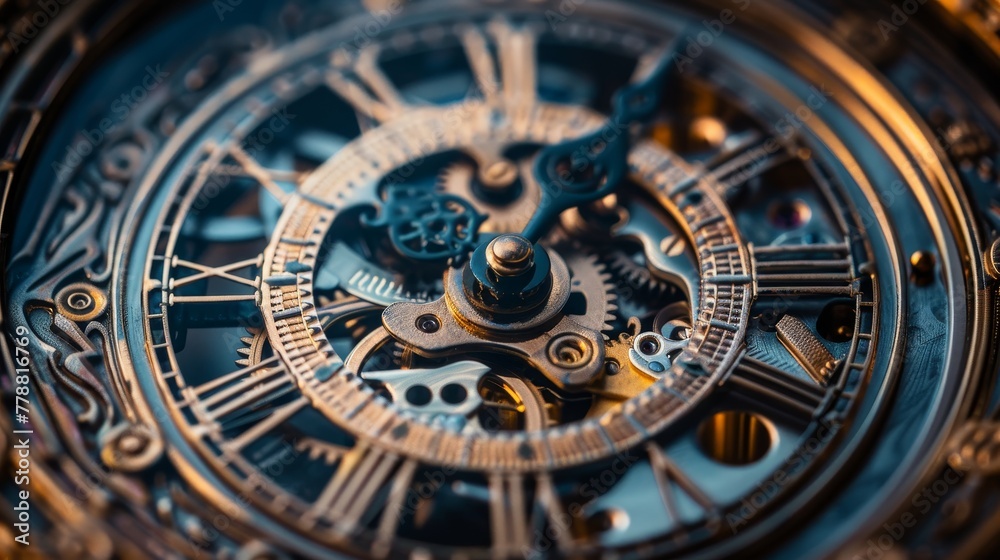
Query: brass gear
(252, 350)
(509, 217)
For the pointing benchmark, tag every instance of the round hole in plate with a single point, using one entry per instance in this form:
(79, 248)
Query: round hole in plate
(649, 346)
(836, 321)
(419, 395)
(428, 324)
(453, 393)
(735, 437)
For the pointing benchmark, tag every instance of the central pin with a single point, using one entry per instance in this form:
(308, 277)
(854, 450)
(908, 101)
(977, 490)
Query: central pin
(510, 255)
(508, 276)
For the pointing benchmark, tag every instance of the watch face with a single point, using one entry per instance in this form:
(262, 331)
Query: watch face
(459, 279)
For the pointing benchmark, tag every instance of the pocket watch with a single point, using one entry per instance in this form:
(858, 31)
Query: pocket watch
(499, 279)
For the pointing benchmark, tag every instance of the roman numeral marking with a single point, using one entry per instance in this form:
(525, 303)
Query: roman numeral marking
(735, 167)
(516, 83)
(359, 81)
(803, 270)
(747, 162)
(667, 476)
(775, 388)
(266, 177)
(352, 495)
(245, 397)
(548, 502)
(271, 422)
(514, 521)
(508, 515)
(394, 505)
(204, 272)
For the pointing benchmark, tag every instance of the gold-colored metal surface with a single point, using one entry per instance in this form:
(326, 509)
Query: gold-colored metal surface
(494, 280)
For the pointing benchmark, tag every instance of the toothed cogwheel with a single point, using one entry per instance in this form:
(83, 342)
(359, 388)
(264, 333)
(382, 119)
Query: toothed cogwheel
(506, 216)
(253, 347)
(637, 275)
(590, 278)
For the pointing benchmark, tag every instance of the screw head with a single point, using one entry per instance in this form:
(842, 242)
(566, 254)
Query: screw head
(923, 264)
(570, 351)
(510, 255)
(81, 302)
(428, 324)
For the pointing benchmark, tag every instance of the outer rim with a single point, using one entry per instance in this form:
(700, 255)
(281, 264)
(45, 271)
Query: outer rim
(974, 268)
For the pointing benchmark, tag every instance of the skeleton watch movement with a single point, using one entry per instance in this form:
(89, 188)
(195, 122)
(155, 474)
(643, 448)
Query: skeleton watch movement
(499, 279)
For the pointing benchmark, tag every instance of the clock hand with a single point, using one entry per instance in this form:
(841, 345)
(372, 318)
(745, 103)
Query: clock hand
(586, 169)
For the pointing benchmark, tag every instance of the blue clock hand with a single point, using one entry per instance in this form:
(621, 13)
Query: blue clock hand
(586, 169)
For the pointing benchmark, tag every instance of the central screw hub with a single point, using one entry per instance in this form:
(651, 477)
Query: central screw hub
(509, 276)
(510, 255)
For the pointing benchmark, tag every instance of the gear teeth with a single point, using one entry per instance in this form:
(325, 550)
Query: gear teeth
(245, 352)
(591, 277)
(617, 348)
(457, 180)
(612, 297)
(252, 347)
(316, 449)
(637, 275)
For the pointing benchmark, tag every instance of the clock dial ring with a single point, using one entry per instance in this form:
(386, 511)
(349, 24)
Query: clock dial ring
(909, 302)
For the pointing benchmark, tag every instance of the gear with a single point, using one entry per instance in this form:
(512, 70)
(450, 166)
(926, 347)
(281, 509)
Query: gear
(641, 293)
(638, 276)
(590, 278)
(253, 347)
(508, 215)
(319, 449)
(428, 226)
